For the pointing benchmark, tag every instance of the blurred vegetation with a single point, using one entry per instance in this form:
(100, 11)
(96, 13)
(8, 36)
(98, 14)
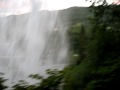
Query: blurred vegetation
(2, 81)
(94, 54)
(100, 67)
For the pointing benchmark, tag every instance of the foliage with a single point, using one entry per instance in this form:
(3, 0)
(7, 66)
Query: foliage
(77, 38)
(52, 82)
(2, 81)
(100, 69)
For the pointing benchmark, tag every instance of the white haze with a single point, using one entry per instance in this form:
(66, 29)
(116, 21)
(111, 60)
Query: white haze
(31, 43)
(8, 7)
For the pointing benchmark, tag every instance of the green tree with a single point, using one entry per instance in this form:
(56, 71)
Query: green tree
(2, 81)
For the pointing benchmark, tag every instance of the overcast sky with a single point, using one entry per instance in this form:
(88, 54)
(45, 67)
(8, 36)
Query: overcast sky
(22, 6)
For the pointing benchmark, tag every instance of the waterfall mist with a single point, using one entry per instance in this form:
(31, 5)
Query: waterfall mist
(31, 43)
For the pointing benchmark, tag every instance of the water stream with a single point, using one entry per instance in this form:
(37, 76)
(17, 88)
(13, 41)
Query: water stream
(31, 43)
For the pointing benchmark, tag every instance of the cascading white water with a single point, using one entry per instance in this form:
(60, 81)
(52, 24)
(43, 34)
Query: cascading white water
(31, 43)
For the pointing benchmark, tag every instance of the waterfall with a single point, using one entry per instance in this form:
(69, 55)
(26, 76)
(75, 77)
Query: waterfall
(31, 43)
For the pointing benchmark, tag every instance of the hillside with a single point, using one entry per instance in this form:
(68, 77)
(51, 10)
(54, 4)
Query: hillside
(76, 14)
(69, 16)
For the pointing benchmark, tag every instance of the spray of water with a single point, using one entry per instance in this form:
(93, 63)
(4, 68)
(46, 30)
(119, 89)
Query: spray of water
(31, 43)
